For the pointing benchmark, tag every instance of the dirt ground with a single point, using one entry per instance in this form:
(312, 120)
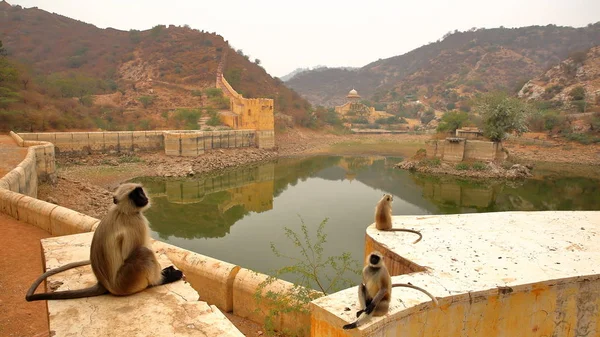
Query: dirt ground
(10, 154)
(20, 265)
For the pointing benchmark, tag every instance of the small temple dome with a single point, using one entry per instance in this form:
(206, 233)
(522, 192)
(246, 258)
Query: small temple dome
(353, 93)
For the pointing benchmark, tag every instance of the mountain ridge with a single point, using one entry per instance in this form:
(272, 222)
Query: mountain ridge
(183, 61)
(477, 60)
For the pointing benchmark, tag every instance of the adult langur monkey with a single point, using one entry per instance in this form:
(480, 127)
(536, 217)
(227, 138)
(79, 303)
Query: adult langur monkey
(383, 217)
(375, 291)
(121, 254)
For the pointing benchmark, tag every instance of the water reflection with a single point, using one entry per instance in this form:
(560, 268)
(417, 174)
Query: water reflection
(236, 215)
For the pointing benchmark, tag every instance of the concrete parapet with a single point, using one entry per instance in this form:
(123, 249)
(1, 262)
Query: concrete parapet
(40, 159)
(9, 202)
(245, 304)
(36, 212)
(174, 143)
(84, 143)
(211, 278)
(169, 310)
(396, 264)
(494, 274)
(64, 221)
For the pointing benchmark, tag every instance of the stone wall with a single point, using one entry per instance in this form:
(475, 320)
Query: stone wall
(175, 143)
(193, 143)
(454, 150)
(38, 164)
(247, 113)
(460, 149)
(100, 142)
(481, 150)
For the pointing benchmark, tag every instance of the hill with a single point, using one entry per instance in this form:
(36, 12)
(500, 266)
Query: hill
(129, 76)
(445, 74)
(573, 83)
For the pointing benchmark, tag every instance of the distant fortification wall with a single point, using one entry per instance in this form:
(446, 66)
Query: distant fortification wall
(100, 142)
(174, 143)
(248, 113)
(193, 143)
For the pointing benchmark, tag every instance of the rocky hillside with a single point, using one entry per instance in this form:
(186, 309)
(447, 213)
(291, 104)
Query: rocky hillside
(170, 65)
(445, 74)
(574, 82)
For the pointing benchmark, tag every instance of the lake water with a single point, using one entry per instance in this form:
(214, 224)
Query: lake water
(236, 216)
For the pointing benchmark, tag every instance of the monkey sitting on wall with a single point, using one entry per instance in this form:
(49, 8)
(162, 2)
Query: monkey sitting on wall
(375, 291)
(121, 253)
(383, 217)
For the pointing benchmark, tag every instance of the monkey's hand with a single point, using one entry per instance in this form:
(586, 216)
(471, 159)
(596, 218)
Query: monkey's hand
(358, 313)
(369, 309)
(171, 274)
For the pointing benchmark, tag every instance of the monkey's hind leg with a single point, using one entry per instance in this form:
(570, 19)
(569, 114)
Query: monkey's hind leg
(140, 271)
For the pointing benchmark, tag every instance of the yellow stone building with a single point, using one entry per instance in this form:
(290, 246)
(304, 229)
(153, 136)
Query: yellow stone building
(247, 113)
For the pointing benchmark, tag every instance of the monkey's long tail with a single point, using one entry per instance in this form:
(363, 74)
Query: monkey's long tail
(407, 285)
(96, 290)
(407, 230)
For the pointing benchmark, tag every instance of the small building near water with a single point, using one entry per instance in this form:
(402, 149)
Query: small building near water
(469, 144)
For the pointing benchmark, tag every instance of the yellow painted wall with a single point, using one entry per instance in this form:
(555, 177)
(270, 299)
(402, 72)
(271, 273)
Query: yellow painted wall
(557, 308)
(254, 113)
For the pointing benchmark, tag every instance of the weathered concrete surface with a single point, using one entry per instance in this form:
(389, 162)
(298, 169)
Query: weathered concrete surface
(495, 274)
(169, 310)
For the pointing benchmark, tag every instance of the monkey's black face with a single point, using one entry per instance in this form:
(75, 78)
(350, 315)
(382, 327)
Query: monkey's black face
(138, 197)
(374, 259)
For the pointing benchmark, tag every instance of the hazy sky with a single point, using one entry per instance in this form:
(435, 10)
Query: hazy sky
(286, 34)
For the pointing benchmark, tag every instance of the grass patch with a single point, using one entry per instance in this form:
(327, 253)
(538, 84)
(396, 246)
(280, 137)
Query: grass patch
(479, 166)
(462, 166)
(583, 138)
(431, 162)
(129, 159)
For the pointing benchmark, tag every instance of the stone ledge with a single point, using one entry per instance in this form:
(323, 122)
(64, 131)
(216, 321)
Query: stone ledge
(169, 310)
(504, 273)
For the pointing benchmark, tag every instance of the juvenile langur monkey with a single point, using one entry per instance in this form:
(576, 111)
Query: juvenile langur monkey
(375, 291)
(383, 217)
(121, 256)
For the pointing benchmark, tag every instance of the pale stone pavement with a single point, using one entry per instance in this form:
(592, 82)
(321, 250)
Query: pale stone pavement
(20, 262)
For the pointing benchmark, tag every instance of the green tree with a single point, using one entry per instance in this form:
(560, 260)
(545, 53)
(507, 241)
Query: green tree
(577, 93)
(233, 76)
(187, 118)
(452, 120)
(2, 50)
(427, 116)
(9, 76)
(146, 100)
(502, 114)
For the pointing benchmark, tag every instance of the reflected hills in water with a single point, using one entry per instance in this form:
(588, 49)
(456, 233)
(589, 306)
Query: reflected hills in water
(207, 207)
